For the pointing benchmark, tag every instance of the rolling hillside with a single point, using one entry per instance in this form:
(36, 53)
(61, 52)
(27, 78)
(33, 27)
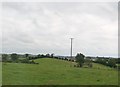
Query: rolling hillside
(57, 72)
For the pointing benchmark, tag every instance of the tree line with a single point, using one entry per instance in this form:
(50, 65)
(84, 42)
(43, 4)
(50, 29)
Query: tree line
(111, 62)
(80, 59)
(26, 58)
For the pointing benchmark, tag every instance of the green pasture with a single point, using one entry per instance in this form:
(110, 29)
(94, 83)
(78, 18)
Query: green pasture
(57, 72)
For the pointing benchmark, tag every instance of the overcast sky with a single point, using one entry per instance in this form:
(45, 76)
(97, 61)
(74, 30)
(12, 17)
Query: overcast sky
(39, 27)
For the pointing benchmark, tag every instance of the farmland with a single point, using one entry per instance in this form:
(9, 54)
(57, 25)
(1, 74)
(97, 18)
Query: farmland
(57, 72)
(0, 73)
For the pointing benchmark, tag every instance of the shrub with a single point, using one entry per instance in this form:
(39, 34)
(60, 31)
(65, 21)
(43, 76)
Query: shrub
(25, 61)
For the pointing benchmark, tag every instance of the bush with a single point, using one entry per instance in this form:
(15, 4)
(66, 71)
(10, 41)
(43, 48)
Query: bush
(90, 65)
(65, 58)
(25, 61)
(72, 60)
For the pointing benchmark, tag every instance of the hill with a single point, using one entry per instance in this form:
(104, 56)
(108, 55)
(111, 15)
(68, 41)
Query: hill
(57, 72)
(0, 73)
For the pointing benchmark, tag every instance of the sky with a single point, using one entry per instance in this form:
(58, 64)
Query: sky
(46, 27)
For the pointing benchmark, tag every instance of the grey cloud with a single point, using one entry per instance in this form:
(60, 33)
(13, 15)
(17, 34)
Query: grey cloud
(47, 27)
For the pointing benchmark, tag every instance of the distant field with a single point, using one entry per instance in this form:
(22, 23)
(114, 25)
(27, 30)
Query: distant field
(57, 72)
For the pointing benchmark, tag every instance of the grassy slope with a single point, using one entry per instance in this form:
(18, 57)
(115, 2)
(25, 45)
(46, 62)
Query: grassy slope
(54, 72)
(0, 73)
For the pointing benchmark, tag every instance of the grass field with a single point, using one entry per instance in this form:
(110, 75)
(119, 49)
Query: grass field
(0, 73)
(57, 72)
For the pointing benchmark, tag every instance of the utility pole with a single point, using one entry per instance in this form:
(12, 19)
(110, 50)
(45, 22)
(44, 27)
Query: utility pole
(71, 47)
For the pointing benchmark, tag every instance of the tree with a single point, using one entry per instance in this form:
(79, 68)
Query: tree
(38, 56)
(4, 57)
(118, 60)
(42, 55)
(48, 55)
(80, 59)
(102, 61)
(99, 60)
(26, 55)
(112, 63)
(52, 55)
(14, 56)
